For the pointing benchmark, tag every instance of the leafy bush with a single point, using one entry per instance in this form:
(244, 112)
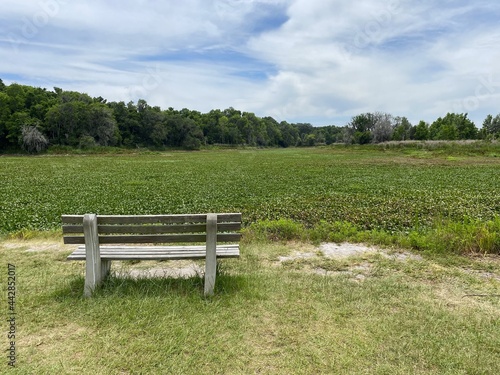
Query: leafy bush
(87, 142)
(337, 231)
(282, 229)
(191, 143)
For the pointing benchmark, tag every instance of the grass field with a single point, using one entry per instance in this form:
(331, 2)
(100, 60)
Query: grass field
(370, 314)
(430, 312)
(382, 195)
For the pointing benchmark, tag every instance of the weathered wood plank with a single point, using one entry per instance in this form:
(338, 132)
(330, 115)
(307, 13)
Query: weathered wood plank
(165, 219)
(150, 219)
(153, 238)
(72, 229)
(138, 219)
(73, 240)
(155, 248)
(140, 239)
(166, 256)
(93, 271)
(186, 256)
(174, 238)
(140, 229)
(152, 229)
(211, 256)
(157, 252)
(228, 218)
(72, 219)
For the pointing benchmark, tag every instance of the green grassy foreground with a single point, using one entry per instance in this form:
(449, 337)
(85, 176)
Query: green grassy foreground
(370, 314)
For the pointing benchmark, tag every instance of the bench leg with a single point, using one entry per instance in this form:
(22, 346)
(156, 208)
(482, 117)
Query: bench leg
(211, 256)
(105, 268)
(93, 270)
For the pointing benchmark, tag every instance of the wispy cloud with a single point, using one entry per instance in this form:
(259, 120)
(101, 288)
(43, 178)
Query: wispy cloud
(296, 60)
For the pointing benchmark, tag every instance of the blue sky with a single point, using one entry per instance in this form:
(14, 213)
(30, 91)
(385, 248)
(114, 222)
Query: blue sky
(317, 61)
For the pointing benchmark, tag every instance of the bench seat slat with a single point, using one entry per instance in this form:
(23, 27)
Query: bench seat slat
(157, 252)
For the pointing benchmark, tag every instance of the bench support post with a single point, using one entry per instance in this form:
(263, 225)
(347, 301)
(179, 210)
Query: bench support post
(211, 256)
(93, 270)
(105, 268)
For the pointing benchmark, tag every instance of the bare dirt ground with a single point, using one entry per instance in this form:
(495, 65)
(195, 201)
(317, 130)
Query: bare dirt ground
(359, 270)
(346, 250)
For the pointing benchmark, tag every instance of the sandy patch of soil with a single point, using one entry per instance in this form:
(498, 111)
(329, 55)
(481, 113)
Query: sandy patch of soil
(358, 271)
(33, 246)
(346, 250)
(175, 269)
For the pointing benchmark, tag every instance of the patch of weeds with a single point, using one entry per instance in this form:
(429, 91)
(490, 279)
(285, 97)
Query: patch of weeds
(337, 231)
(468, 237)
(28, 234)
(276, 230)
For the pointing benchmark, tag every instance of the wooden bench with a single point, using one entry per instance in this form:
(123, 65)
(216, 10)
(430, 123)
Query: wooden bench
(203, 233)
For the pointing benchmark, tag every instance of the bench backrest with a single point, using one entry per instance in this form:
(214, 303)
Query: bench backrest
(123, 229)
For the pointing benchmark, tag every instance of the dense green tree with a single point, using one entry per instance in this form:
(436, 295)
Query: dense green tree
(152, 125)
(304, 130)
(359, 129)
(466, 128)
(273, 131)
(402, 129)
(78, 120)
(183, 132)
(421, 131)
(332, 134)
(290, 134)
(17, 97)
(39, 101)
(247, 126)
(212, 128)
(15, 124)
(452, 127)
(65, 122)
(74, 96)
(491, 127)
(232, 134)
(309, 140)
(77, 116)
(4, 118)
(319, 136)
(102, 125)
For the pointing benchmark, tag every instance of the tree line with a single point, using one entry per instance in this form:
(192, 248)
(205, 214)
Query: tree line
(32, 118)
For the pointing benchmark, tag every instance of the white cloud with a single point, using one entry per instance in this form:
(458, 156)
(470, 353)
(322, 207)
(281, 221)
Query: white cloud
(329, 61)
(338, 49)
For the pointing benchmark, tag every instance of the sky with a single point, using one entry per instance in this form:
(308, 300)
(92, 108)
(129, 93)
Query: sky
(315, 61)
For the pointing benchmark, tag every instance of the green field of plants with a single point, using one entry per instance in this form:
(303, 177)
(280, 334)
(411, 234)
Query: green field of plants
(283, 307)
(397, 192)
